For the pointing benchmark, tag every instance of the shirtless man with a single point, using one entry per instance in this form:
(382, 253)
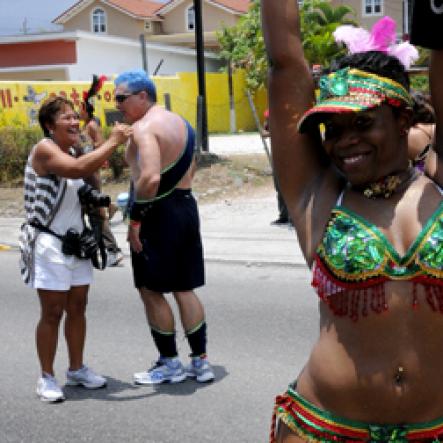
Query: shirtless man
(164, 228)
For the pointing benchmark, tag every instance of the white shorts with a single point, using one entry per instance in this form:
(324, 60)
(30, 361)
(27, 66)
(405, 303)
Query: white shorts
(60, 277)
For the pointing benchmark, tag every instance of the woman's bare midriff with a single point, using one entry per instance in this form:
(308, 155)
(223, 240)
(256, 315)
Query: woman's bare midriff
(383, 368)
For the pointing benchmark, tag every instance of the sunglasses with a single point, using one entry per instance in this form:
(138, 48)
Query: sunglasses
(120, 98)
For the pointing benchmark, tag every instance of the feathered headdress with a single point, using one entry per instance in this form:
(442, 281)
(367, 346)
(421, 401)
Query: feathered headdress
(381, 38)
(96, 85)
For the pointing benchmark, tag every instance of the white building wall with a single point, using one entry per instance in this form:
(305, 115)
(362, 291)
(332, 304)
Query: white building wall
(112, 56)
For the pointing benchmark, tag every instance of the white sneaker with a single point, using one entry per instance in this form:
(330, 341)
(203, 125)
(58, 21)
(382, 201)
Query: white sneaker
(165, 370)
(85, 377)
(200, 369)
(113, 258)
(48, 389)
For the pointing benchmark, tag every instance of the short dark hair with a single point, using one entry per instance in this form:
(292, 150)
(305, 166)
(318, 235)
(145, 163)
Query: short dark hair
(376, 62)
(49, 109)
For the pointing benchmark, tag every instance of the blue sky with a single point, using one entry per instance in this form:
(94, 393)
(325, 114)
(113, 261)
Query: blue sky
(37, 13)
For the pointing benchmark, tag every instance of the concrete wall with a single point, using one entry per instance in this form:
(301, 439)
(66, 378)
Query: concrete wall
(213, 17)
(118, 23)
(107, 55)
(122, 57)
(43, 75)
(393, 8)
(20, 101)
(51, 52)
(121, 24)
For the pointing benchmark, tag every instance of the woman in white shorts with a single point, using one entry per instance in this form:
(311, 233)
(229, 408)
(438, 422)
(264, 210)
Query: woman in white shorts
(52, 179)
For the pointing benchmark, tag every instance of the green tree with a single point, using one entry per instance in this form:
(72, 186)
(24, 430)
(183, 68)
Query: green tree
(319, 20)
(242, 45)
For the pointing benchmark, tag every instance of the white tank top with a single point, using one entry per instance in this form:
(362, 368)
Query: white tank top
(68, 216)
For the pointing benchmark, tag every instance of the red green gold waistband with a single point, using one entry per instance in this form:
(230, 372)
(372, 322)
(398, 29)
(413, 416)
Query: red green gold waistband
(315, 425)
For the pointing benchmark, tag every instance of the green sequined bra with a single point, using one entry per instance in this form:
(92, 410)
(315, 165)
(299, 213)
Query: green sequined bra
(355, 259)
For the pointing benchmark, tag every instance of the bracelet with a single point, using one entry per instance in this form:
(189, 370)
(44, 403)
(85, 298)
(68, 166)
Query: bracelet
(134, 223)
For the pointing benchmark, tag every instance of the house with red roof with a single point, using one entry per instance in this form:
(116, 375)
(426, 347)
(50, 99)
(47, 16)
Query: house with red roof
(103, 36)
(172, 22)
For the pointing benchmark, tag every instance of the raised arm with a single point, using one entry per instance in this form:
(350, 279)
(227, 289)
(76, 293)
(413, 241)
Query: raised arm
(296, 158)
(95, 132)
(291, 92)
(50, 159)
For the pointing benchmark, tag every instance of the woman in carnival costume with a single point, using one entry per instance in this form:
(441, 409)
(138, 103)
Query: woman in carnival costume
(370, 226)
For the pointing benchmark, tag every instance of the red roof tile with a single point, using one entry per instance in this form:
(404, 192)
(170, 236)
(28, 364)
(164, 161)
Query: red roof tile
(149, 8)
(235, 5)
(141, 8)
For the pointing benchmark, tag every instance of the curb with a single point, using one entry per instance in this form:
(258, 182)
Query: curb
(220, 260)
(254, 263)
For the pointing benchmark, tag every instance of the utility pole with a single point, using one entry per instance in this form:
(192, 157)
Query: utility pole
(201, 74)
(25, 28)
(232, 120)
(405, 19)
(144, 55)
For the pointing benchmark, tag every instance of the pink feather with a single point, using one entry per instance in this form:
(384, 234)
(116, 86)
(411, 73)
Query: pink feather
(383, 34)
(405, 52)
(356, 39)
(382, 38)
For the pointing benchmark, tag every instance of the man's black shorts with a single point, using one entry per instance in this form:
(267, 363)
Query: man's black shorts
(172, 256)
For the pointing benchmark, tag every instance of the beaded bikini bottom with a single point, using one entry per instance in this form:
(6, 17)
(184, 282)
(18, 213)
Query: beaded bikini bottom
(317, 426)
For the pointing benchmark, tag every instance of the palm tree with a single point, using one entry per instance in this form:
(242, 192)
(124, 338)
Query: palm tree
(319, 20)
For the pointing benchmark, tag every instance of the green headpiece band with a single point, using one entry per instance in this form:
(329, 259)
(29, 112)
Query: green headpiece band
(353, 90)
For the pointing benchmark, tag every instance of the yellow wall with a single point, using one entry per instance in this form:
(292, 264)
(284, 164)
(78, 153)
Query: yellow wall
(20, 101)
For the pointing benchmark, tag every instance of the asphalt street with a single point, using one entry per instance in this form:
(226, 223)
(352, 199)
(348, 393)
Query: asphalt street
(262, 321)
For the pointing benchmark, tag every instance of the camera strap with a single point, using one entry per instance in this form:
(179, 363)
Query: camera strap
(95, 261)
(96, 226)
(42, 228)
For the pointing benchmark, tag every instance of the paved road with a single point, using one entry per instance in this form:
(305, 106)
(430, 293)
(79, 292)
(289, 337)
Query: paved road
(262, 322)
(235, 231)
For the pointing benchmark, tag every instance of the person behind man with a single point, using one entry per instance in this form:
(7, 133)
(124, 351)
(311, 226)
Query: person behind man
(91, 137)
(164, 228)
(283, 215)
(422, 132)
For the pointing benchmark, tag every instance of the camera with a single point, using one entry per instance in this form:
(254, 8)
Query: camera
(89, 196)
(88, 246)
(71, 243)
(82, 245)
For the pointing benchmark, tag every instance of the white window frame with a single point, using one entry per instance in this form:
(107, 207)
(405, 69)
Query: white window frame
(372, 5)
(187, 21)
(102, 21)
